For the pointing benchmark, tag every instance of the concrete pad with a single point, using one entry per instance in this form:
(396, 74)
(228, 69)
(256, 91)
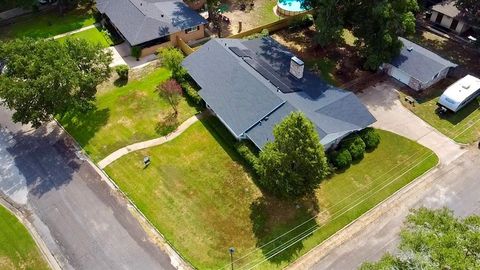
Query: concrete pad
(382, 101)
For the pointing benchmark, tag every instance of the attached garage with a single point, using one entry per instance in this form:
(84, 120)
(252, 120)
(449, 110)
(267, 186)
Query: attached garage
(417, 67)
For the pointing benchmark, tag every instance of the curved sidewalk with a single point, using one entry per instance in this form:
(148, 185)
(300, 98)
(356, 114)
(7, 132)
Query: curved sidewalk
(150, 143)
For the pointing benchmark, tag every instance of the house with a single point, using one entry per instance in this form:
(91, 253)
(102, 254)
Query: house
(252, 85)
(417, 67)
(151, 24)
(447, 15)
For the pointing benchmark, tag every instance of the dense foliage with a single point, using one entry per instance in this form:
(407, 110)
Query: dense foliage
(172, 59)
(355, 145)
(122, 71)
(370, 138)
(376, 24)
(435, 239)
(45, 77)
(293, 164)
(341, 159)
(172, 92)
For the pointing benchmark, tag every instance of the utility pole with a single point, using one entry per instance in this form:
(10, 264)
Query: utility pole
(231, 250)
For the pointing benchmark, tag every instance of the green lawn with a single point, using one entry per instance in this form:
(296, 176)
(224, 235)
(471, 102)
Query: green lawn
(17, 248)
(197, 193)
(265, 13)
(125, 115)
(93, 35)
(48, 24)
(463, 126)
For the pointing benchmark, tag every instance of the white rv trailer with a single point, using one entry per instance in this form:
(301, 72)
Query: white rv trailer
(460, 93)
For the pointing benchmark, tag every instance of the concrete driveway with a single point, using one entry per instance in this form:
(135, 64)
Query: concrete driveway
(83, 222)
(121, 56)
(382, 101)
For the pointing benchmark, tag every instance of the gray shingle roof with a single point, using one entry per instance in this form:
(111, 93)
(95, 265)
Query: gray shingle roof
(448, 8)
(419, 62)
(141, 21)
(251, 106)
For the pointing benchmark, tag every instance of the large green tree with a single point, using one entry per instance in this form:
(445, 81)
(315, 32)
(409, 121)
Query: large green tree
(172, 59)
(471, 9)
(294, 163)
(376, 24)
(435, 239)
(45, 77)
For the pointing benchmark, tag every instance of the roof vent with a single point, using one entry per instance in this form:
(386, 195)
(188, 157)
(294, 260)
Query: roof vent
(410, 49)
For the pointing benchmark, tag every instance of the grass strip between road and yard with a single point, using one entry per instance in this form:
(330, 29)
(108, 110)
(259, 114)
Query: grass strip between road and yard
(197, 193)
(17, 247)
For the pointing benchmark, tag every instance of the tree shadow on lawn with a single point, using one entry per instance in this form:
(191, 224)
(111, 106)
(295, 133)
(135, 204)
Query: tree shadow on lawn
(281, 226)
(168, 125)
(84, 125)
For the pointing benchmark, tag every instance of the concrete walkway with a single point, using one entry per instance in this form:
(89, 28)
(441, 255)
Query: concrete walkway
(76, 31)
(382, 101)
(150, 143)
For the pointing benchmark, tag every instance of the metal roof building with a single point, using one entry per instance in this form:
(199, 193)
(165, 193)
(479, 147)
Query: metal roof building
(249, 86)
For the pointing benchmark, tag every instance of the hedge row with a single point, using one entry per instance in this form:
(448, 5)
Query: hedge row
(352, 148)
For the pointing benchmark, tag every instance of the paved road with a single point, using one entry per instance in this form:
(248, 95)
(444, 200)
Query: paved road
(456, 186)
(84, 223)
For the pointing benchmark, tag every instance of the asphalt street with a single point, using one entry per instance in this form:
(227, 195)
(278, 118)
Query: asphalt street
(83, 222)
(456, 186)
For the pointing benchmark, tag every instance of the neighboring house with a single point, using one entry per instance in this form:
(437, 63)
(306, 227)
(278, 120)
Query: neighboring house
(252, 85)
(151, 24)
(417, 67)
(446, 14)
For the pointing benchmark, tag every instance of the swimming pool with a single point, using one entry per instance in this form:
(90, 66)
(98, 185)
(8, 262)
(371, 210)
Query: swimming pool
(290, 7)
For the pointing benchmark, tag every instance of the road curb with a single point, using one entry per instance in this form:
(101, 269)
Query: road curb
(46, 254)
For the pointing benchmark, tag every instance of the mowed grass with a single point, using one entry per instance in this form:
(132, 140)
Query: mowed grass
(125, 115)
(48, 24)
(17, 248)
(93, 35)
(197, 193)
(462, 126)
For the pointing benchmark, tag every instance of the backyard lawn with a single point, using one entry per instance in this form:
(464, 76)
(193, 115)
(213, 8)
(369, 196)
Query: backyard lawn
(48, 24)
(93, 35)
(125, 115)
(197, 193)
(463, 126)
(17, 248)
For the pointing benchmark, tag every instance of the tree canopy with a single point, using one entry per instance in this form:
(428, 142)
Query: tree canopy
(294, 163)
(435, 239)
(172, 59)
(376, 24)
(45, 77)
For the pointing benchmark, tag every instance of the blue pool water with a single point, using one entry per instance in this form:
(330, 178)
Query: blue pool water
(291, 5)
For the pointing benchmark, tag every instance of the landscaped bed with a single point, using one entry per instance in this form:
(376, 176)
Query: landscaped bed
(48, 24)
(462, 126)
(125, 115)
(93, 35)
(197, 193)
(17, 248)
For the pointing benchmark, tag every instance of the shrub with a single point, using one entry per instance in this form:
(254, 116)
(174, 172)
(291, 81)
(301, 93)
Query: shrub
(341, 159)
(136, 52)
(122, 72)
(191, 93)
(355, 145)
(264, 33)
(247, 153)
(301, 22)
(370, 137)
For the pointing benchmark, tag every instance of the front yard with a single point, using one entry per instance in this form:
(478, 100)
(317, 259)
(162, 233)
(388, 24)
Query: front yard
(94, 35)
(17, 248)
(125, 114)
(197, 193)
(48, 24)
(463, 126)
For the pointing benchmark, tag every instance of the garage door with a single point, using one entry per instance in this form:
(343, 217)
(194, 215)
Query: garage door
(400, 75)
